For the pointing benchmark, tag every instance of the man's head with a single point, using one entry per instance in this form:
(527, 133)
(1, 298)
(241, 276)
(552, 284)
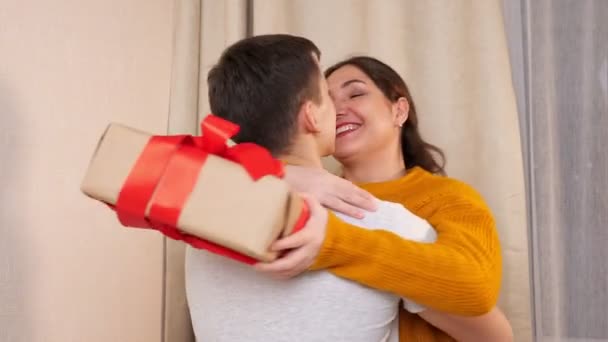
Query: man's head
(272, 86)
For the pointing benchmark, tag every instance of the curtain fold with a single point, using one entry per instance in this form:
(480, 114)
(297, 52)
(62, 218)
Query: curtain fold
(183, 109)
(203, 28)
(561, 53)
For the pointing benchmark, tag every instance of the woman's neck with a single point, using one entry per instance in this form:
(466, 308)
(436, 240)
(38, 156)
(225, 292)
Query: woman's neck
(374, 168)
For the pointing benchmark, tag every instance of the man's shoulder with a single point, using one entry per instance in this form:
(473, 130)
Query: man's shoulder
(396, 218)
(394, 210)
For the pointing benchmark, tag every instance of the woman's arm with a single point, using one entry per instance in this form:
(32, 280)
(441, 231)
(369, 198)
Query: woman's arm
(492, 326)
(459, 274)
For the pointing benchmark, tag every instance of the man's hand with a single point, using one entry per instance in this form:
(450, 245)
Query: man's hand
(301, 248)
(333, 192)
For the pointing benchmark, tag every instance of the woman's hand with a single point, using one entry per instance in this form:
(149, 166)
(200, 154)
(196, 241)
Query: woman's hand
(331, 191)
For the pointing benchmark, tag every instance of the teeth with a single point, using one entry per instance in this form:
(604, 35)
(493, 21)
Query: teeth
(346, 128)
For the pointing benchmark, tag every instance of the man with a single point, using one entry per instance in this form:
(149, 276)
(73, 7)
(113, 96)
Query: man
(272, 86)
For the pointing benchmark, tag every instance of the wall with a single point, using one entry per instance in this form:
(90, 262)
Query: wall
(68, 271)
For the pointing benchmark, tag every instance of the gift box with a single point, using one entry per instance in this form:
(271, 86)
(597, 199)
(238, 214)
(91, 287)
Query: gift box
(204, 190)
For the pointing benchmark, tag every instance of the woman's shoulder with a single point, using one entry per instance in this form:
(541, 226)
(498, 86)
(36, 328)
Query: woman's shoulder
(436, 186)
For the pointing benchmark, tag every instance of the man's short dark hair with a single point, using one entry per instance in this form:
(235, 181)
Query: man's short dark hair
(260, 83)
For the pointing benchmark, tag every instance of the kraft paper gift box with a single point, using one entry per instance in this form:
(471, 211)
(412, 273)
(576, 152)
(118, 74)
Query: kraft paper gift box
(202, 194)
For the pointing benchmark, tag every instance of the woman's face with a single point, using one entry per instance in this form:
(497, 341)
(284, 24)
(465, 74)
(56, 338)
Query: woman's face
(366, 122)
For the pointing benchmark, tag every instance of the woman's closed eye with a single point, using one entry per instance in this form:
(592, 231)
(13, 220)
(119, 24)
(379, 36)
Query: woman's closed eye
(356, 95)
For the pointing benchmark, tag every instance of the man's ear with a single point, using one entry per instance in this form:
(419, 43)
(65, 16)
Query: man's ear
(308, 120)
(402, 111)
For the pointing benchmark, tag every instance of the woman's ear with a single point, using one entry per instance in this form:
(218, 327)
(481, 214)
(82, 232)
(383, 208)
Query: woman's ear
(402, 111)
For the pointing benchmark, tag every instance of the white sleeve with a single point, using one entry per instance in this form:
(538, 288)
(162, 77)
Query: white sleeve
(396, 218)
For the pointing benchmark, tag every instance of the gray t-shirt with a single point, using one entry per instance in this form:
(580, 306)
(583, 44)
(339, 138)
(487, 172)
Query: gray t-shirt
(231, 302)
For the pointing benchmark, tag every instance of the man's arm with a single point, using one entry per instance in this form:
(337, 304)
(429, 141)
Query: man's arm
(492, 326)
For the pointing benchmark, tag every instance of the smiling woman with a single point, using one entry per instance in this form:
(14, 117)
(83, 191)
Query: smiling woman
(377, 88)
(457, 278)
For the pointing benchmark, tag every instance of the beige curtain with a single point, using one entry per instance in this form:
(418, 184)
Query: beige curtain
(560, 57)
(454, 57)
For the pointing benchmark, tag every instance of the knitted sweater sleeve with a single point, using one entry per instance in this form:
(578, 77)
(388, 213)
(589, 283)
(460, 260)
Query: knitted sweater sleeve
(459, 274)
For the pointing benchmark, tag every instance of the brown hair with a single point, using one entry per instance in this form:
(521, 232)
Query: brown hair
(261, 82)
(416, 151)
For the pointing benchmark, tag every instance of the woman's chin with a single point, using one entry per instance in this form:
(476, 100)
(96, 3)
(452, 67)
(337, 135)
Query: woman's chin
(344, 152)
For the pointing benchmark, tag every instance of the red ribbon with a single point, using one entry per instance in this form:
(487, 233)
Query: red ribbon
(167, 170)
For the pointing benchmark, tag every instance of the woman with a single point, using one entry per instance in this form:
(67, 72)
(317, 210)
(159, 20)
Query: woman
(381, 150)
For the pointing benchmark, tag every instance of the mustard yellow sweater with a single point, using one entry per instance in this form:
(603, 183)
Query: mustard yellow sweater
(459, 274)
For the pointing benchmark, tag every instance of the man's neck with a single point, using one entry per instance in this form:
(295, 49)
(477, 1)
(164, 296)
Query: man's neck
(303, 152)
(376, 167)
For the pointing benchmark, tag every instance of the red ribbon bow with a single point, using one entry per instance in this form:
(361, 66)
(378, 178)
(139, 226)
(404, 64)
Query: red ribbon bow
(167, 170)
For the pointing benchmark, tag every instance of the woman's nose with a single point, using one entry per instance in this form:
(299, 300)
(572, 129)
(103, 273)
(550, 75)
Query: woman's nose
(340, 109)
